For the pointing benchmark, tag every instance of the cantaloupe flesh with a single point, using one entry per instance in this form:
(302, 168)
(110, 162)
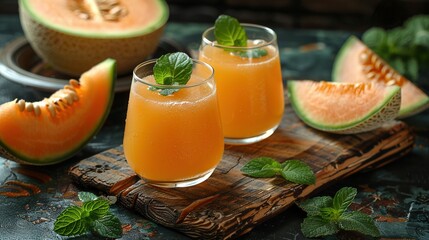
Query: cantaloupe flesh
(45, 139)
(338, 106)
(145, 16)
(347, 68)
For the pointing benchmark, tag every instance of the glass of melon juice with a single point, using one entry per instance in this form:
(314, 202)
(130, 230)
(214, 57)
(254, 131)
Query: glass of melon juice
(250, 89)
(174, 140)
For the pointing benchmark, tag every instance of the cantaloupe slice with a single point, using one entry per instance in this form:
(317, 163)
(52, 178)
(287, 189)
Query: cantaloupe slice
(344, 107)
(55, 128)
(355, 62)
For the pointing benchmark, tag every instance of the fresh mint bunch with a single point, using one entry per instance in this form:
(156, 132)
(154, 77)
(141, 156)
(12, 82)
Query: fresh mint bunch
(229, 32)
(327, 216)
(292, 170)
(94, 215)
(172, 69)
(405, 48)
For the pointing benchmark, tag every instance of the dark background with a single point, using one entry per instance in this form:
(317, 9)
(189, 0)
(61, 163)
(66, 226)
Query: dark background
(353, 15)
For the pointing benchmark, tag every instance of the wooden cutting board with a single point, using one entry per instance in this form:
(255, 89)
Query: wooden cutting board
(230, 204)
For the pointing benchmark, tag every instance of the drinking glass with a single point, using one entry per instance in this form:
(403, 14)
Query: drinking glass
(174, 140)
(250, 86)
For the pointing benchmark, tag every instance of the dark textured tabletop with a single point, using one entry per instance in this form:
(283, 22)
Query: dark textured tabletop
(396, 195)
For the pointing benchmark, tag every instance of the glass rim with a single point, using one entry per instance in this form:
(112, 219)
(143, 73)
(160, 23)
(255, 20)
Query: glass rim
(267, 29)
(160, 86)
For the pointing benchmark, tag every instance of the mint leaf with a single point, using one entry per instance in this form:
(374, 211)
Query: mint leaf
(413, 68)
(86, 196)
(417, 22)
(375, 38)
(94, 215)
(359, 222)
(262, 167)
(316, 226)
(107, 226)
(313, 205)
(400, 41)
(71, 222)
(298, 172)
(229, 32)
(326, 215)
(292, 170)
(422, 38)
(173, 68)
(343, 198)
(330, 213)
(96, 208)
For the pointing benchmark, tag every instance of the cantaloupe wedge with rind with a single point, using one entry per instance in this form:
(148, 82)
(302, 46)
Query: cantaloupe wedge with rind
(355, 62)
(344, 108)
(54, 129)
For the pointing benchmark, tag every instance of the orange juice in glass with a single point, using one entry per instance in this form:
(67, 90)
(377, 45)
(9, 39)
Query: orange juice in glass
(250, 89)
(174, 140)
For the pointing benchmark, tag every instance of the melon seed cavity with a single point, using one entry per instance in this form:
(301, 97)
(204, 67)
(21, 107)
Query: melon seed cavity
(375, 69)
(98, 10)
(56, 103)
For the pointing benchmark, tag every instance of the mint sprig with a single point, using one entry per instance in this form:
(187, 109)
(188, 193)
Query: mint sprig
(171, 69)
(229, 32)
(327, 216)
(292, 170)
(94, 216)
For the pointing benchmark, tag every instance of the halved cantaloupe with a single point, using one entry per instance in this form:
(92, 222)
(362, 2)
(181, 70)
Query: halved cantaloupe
(72, 36)
(344, 107)
(54, 129)
(355, 62)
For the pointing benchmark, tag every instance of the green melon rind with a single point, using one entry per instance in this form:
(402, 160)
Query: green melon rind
(10, 153)
(414, 109)
(82, 33)
(404, 112)
(386, 111)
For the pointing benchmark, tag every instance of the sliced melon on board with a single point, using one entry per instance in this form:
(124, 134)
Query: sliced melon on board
(344, 108)
(55, 128)
(355, 62)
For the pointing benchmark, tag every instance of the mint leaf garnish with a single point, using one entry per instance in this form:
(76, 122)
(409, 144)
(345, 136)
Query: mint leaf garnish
(107, 226)
(96, 208)
(292, 170)
(298, 172)
(343, 198)
(313, 205)
(173, 68)
(359, 222)
(262, 167)
(94, 216)
(71, 222)
(327, 215)
(229, 32)
(316, 226)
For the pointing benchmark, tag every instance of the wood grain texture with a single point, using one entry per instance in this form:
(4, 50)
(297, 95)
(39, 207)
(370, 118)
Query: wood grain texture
(230, 204)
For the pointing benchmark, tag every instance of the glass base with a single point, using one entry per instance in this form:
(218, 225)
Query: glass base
(182, 183)
(250, 140)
